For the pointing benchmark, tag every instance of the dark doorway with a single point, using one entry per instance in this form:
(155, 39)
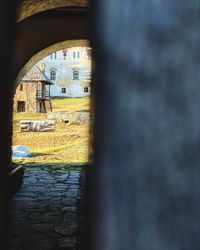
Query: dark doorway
(21, 106)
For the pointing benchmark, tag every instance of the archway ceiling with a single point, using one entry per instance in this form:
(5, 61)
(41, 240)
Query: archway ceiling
(30, 7)
(49, 18)
(52, 24)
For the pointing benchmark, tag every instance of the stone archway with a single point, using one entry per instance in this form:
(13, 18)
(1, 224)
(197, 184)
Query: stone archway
(45, 52)
(48, 28)
(28, 7)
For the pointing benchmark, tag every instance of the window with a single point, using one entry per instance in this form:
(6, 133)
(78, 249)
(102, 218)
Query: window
(63, 90)
(20, 106)
(74, 54)
(89, 53)
(86, 90)
(20, 87)
(55, 55)
(64, 55)
(51, 56)
(53, 75)
(78, 54)
(75, 75)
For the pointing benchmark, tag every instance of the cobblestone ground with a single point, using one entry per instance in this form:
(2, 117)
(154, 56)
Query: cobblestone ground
(45, 214)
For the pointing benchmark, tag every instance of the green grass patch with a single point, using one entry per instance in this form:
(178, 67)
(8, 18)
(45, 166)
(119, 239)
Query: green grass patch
(68, 144)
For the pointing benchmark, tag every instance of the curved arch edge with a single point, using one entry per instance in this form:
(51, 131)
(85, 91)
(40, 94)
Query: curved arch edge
(47, 51)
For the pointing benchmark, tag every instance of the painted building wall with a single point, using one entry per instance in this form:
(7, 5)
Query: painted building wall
(69, 70)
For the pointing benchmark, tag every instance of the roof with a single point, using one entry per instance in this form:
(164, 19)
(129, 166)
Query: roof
(35, 74)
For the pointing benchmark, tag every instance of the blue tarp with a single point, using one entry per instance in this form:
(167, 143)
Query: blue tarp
(20, 152)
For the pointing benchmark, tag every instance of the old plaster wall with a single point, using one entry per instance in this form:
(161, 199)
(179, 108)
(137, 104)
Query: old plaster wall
(64, 64)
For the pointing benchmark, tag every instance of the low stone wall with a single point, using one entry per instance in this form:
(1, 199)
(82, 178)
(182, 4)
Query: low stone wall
(80, 117)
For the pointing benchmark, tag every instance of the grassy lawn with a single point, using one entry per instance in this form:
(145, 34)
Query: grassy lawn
(71, 104)
(68, 144)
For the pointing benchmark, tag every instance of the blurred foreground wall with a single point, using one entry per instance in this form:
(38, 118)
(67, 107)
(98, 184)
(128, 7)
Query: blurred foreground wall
(147, 128)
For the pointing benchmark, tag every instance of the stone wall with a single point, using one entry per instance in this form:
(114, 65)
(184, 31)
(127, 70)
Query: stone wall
(28, 95)
(79, 118)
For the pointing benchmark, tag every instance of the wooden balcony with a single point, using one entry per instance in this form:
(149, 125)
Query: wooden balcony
(44, 95)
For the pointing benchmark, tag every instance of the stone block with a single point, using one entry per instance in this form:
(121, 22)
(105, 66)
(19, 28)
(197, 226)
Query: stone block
(37, 126)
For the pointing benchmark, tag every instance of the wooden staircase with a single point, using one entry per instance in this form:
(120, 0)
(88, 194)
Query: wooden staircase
(48, 106)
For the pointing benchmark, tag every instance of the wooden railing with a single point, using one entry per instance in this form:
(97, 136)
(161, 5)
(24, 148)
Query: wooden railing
(43, 94)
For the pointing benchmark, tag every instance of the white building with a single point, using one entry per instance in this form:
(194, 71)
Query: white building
(69, 70)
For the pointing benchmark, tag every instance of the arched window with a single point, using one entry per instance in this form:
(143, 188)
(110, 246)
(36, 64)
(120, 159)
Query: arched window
(75, 75)
(64, 54)
(53, 74)
(55, 55)
(78, 54)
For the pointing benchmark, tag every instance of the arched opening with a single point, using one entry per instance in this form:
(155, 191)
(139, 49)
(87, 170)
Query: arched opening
(47, 27)
(49, 51)
(58, 156)
(29, 42)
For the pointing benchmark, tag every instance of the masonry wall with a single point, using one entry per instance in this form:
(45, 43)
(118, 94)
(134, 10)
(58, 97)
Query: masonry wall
(28, 95)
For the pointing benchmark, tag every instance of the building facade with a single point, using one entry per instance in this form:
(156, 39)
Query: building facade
(69, 70)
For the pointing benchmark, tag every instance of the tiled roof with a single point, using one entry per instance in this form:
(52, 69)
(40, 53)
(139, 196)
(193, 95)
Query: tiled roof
(35, 74)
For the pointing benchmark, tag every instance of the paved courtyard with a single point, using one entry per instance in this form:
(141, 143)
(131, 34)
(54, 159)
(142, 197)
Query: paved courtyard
(46, 210)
